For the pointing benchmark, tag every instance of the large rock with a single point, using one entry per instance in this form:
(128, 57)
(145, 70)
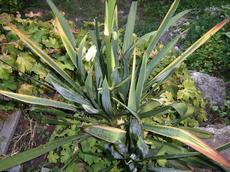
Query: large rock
(212, 88)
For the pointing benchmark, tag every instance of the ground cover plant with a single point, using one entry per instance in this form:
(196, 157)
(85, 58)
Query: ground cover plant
(109, 97)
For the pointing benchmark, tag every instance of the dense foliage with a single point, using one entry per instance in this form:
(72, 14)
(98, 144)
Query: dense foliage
(113, 98)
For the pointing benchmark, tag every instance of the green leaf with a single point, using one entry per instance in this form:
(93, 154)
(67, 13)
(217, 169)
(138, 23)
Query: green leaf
(38, 151)
(38, 101)
(132, 95)
(80, 57)
(25, 62)
(156, 111)
(190, 140)
(128, 37)
(105, 98)
(108, 134)
(64, 32)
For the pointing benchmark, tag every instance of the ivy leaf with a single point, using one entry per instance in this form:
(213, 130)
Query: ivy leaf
(39, 70)
(51, 43)
(5, 71)
(26, 89)
(9, 84)
(52, 157)
(25, 62)
(66, 154)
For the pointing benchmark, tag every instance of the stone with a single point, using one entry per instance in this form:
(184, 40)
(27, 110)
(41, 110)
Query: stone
(7, 129)
(213, 89)
(221, 136)
(45, 169)
(17, 168)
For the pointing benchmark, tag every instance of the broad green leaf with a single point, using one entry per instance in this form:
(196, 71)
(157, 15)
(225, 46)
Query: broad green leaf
(38, 101)
(184, 110)
(20, 158)
(128, 37)
(132, 96)
(105, 98)
(190, 140)
(45, 57)
(106, 133)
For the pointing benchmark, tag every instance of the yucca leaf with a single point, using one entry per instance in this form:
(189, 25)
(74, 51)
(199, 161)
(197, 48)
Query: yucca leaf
(70, 94)
(105, 98)
(90, 87)
(63, 23)
(132, 96)
(152, 44)
(106, 133)
(190, 140)
(163, 169)
(109, 14)
(128, 37)
(175, 64)
(147, 36)
(20, 158)
(43, 55)
(66, 42)
(156, 111)
(130, 110)
(108, 30)
(198, 132)
(80, 57)
(38, 101)
(163, 52)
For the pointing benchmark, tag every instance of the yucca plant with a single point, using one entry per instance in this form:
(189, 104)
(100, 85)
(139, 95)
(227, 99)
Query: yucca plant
(111, 94)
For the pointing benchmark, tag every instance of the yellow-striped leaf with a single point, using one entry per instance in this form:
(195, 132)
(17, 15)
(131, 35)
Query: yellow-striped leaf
(38, 101)
(190, 140)
(106, 133)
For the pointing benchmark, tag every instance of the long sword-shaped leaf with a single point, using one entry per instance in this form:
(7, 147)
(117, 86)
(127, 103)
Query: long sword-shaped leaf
(38, 151)
(63, 23)
(38, 101)
(147, 36)
(153, 43)
(108, 30)
(106, 133)
(106, 98)
(128, 37)
(189, 51)
(132, 96)
(66, 41)
(153, 63)
(190, 140)
(43, 55)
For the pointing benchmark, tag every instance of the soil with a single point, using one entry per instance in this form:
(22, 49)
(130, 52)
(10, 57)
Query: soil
(30, 134)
